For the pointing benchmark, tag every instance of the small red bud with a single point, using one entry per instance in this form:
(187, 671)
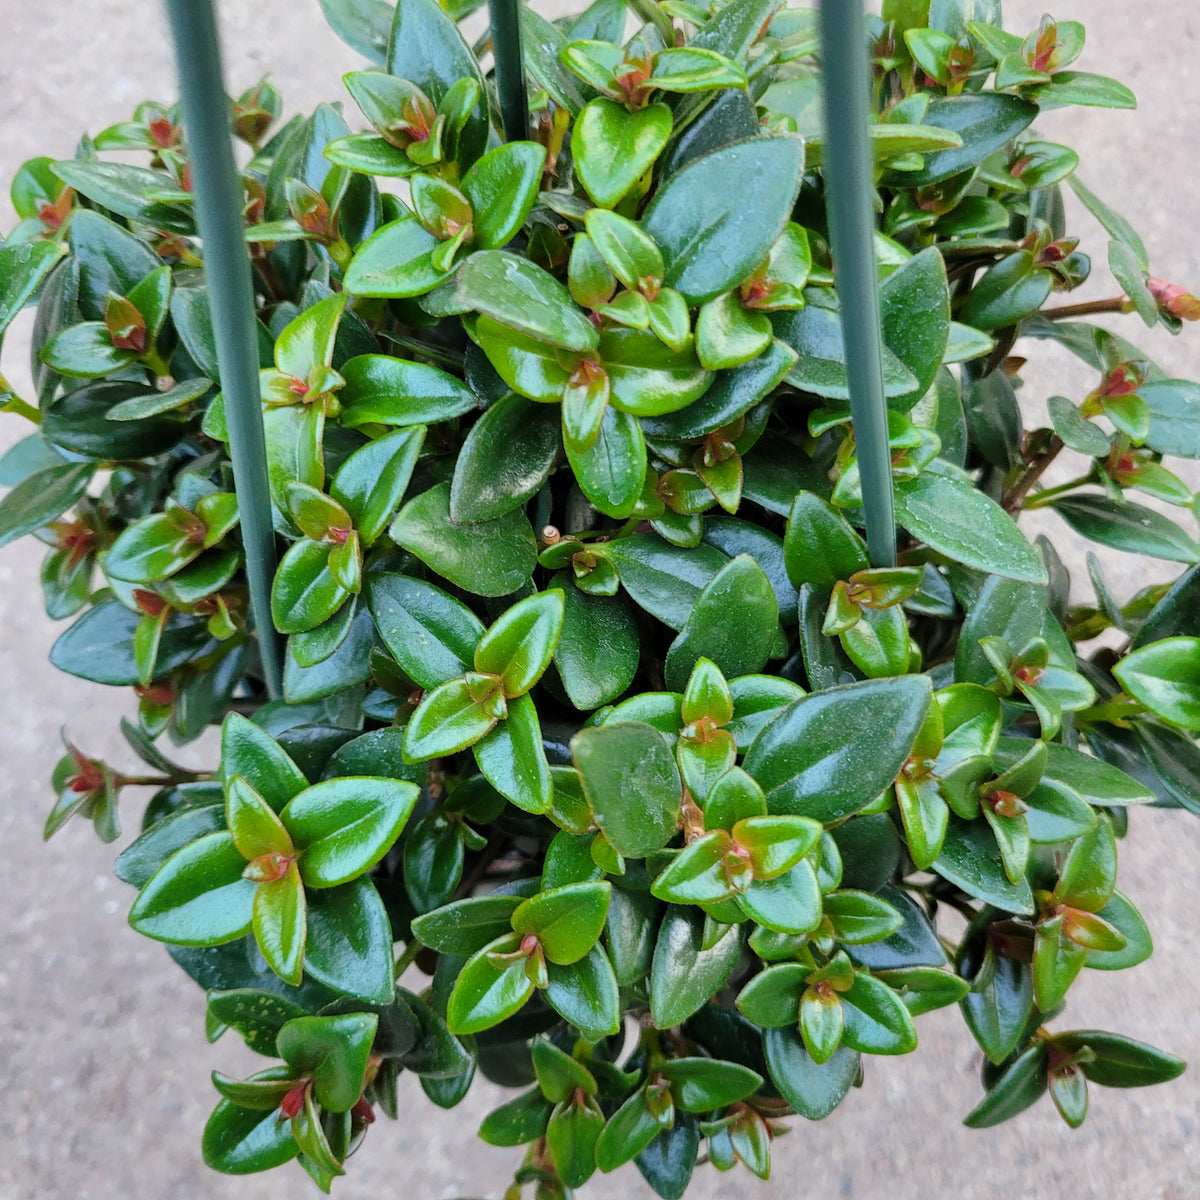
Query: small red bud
(293, 1102)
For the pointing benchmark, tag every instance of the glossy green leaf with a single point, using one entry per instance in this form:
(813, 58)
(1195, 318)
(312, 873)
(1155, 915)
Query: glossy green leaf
(1021, 1084)
(629, 1131)
(521, 642)
(740, 649)
(703, 1084)
(23, 267)
(585, 993)
(335, 1049)
(257, 1016)
(512, 757)
(985, 122)
(918, 286)
(1165, 677)
(1174, 408)
(566, 920)
(371, 482)
(1127, 526)
(684, 974)
(614, 147)
(465, 926)
(572, 1134)
(250, 752)
(611, 473)
(521, 296)
(304, 592)
(618, 760)
(383, 390)
(486, 991)
(598, 650)
(971, 859)
(41, 497)
(280, 923)
(716, 218)
(956, 520)
(343, 827)
(432, 635)
(242, 1141)
(522, 1119)
(502, 187)
(395, 261)
(489, 558)
(198, 897)
(349, 946)
(804, 763)
(815, 334)
(1120, 1061)
(506, 458)
(813, 1090)
(1087, 876)
(447, 720)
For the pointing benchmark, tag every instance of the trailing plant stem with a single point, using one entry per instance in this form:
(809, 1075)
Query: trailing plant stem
(15, 404)
(1047, 494)
(1065, 312)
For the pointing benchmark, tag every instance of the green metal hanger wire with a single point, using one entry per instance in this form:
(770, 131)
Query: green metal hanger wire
(218, 193)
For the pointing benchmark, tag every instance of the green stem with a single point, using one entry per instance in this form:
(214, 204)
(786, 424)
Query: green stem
(14, 404)
(1038, 499)
(1117, 711)
(1015, 496)
(851, 193)
(406, 960)
(231, 297)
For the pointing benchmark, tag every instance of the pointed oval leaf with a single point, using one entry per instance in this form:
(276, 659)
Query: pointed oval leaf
(490, 558)
(619, 760)
(488, 992)
(805, 764)
(198, 896)
(343, 827)
(716, 218)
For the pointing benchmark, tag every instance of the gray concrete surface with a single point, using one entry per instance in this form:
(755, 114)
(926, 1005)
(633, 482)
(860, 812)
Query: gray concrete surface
(103, 1063)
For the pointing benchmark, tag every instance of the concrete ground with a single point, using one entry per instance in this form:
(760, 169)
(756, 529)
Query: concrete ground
(103, 1063)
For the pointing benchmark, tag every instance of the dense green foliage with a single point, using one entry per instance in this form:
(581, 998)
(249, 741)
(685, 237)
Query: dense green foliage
(594, 706)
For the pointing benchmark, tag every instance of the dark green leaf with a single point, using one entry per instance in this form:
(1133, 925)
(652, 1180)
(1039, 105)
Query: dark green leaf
(198, 897)
(1020, 1085)
(684, 975)
(349, 944)
(1129, 527)
(382, 390)
(716, 218)
(506, 458)
(432, 635)
(41, 497)
(1120, 1061)
(618, 760)
(813, 1091)
(804, 763)
(490, 558)
(586, 994)
(952, 517)
(971, 859)
(984, 122)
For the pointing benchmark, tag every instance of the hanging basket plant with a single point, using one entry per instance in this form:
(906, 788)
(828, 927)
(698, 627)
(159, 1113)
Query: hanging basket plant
(608, 764)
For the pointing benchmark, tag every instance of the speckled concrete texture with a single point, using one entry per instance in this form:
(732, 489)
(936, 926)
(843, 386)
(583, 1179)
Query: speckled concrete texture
(103, 1063)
